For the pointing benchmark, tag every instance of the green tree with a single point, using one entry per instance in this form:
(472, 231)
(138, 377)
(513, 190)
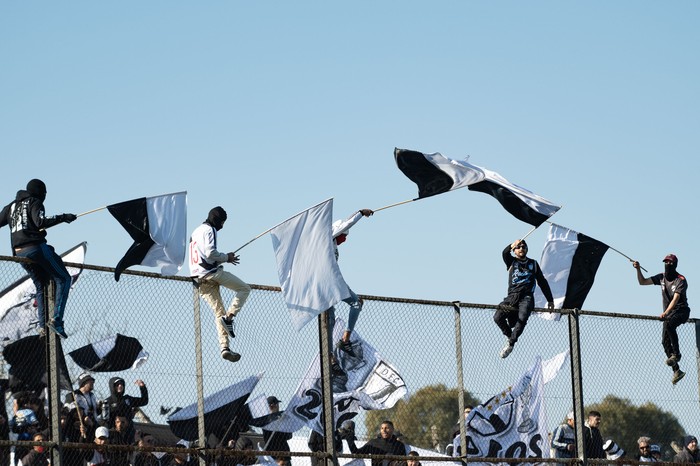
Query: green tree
(624, 423)
(432, 405)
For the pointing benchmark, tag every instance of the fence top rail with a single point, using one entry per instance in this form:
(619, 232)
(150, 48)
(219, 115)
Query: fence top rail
(387, 299)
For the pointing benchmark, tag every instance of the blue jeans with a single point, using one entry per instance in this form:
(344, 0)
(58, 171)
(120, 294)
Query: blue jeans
(355, 307)
(47, 266)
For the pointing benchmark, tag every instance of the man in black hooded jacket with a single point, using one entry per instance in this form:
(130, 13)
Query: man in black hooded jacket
(119, 404)
(28, 224)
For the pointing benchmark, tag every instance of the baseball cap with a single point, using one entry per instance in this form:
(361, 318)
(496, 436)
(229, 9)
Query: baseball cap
(570, 415)
(84, 378)
(101, 432)
(671, 258)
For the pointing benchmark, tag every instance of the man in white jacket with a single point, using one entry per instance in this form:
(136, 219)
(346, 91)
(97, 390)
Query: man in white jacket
(206, 266)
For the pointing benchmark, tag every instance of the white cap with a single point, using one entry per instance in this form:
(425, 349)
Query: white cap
(101, 432)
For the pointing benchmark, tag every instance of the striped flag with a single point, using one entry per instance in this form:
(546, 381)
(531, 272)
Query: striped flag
(158, 226)
(437, 174)
(569, 262)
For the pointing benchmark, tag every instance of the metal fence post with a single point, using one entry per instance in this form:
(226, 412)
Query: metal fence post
(324, 341)
(460, 381)
(53, 375)
(200, 371)
(577, 382)
(697, 350)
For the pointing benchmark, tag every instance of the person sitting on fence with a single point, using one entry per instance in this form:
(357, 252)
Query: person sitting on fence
(206, 266)
(512, 314)
(341, 229)
(676, 310)
(28, 225)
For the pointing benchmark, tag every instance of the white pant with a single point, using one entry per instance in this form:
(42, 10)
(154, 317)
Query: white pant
(209, 290)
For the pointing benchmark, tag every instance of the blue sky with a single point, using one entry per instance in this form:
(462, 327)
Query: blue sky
(267, 108)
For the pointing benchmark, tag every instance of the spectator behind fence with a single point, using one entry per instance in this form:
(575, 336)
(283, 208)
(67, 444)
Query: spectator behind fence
(317, 442)
(656, 452)
(689, 453)
(206, 267)
(36, 456)
(644, 454)
(564, 439)
(676, 310)
(512, 314)
(385, 443)
(28, 224)
(100, 455)
(121, 435)
(150, 458)
(119, 404)
(593, 440)
(85, 403)
(275, 441)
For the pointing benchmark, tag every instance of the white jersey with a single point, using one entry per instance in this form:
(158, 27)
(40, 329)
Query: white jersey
(204, 258)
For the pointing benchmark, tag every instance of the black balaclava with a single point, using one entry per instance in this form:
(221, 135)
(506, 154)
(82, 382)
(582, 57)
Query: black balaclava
(670, 270)
(216, 218)
(37, 188)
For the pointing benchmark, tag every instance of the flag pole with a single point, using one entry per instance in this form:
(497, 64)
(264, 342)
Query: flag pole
(270, 229)
(394, 205)
(91, 211)
(612, 248)
(528, 233)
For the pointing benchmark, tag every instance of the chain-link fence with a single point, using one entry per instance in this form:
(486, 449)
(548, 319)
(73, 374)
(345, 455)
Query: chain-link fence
(432, 346)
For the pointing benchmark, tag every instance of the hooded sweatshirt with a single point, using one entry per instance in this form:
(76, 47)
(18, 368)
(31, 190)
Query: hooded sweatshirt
(121, 404)
(27, 220)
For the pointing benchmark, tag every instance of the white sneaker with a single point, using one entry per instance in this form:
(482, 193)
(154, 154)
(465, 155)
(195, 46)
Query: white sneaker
(506, 350)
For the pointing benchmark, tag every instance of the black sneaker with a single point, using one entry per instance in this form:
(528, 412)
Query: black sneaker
(677, 376)
(229, 355)
(346, 346)
(228, 325)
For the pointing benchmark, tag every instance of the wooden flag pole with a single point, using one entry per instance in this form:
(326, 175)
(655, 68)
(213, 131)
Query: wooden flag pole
(91, 211)
(394, 205)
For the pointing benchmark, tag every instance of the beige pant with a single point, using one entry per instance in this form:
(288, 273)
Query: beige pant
(209, 290)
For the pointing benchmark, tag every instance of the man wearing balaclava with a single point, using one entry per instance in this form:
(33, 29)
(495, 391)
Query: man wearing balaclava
(206, 266)
(28, 224)
(676, 310)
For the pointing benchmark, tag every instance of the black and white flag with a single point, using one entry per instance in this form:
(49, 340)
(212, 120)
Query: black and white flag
(114, 353)
(158, 226)
(18, 311)
(569, 262)
(220, 409)
(367, 381)
(27, 360)
(437, 174)
(513, 423)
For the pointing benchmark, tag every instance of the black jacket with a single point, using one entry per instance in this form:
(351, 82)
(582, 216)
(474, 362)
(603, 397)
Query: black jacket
(27, 220)
(380, 446)
(123, 405)
(686, 456)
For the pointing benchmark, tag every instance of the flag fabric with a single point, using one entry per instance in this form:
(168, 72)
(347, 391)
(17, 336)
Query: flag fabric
(569, 262)
(437, 174)
(18, 311)
(220, 410)
(158, 226)
(513, 423)
(308, 271)
(114, 353)
(367, 381)
(27, 360)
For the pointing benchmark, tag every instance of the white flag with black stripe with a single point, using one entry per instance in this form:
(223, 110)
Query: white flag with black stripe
(569, 262)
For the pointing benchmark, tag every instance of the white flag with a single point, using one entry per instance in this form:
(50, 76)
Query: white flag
(366, 381)
(513, 423)
(309, 275)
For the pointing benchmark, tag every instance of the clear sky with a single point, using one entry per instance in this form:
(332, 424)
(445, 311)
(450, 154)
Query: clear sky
(267, 108)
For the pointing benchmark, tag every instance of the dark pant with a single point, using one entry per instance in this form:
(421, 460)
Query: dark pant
(47, 266)
(669, 336)
(512, 321)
